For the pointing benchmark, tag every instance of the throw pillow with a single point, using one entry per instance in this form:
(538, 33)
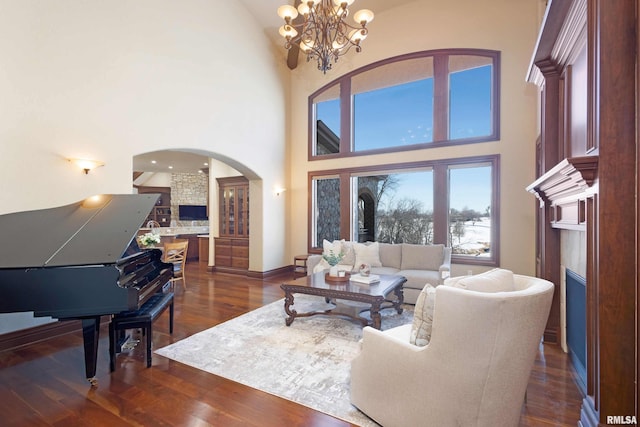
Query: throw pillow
(423, 317)
(367, 254)
(349, 253)
(496, 280)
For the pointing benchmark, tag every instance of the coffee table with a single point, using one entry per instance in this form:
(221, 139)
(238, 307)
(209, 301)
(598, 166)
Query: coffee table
(373, 295)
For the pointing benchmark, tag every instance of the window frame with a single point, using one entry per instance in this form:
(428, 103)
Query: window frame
(440, 169)
(440, 109)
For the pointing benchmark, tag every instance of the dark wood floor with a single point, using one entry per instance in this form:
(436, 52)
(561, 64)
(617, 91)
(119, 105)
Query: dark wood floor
(43, 384)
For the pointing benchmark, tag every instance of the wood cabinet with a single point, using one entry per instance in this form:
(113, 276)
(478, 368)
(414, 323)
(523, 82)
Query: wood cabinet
(231, 254)
(232, 246)
(234, 206)
(203, 249)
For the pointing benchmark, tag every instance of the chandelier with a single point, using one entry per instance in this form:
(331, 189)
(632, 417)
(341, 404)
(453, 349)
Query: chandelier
(324, 34)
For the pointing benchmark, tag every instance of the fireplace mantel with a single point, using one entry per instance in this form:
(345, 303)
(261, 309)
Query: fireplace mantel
(565, 187)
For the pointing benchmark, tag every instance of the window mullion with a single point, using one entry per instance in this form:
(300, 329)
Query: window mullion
(346, 116)
(345, 206)
(440, 97)
(440, 203)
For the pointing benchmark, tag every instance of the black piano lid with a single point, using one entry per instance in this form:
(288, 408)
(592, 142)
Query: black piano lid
(97, 230)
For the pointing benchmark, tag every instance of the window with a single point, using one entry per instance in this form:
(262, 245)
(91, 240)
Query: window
(470, 210)
(327, 120)
(393, 105)
(395, 207)
(469, 96)
(419, 100)
(453, 202)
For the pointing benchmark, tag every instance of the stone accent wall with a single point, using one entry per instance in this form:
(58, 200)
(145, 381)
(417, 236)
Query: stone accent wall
(188, 189)
(328, 205)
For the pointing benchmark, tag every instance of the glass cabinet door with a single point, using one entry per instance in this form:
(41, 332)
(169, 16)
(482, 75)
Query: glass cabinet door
(234, 208)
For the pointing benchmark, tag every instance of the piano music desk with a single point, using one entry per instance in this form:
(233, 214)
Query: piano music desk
(142, 318)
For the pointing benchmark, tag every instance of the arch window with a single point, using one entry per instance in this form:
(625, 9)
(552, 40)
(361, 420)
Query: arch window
(409, 102)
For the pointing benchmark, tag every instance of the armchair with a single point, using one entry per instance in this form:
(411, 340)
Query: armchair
(474, 371)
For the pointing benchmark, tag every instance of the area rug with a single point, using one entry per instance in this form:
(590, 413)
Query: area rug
(307, 362)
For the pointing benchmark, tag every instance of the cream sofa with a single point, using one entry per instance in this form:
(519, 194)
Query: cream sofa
(419, 264)
(475, 369)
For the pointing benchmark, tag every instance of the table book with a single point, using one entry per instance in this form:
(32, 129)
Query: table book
(372, 278)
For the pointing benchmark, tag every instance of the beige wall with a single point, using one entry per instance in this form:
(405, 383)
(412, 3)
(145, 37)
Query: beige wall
(505, 25)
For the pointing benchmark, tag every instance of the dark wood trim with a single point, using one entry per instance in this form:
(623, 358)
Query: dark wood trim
(440, 97)
(345, 115)
(345, 205)
(440, 211)
(615, 29)
(607, 203)
(548, 237)
(564, 188)
(13, 340)
(250, 273)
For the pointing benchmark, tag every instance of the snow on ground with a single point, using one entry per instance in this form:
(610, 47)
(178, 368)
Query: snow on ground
(476, 238)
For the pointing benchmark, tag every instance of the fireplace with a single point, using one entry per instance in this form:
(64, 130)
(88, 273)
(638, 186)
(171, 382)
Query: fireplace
(576, 319)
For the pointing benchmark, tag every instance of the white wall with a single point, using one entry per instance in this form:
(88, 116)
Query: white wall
(112, 79)
(505, 25)
(109, 80)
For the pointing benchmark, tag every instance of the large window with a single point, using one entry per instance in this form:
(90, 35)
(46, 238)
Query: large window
(453, 202)
(470, 209)
(419, 100)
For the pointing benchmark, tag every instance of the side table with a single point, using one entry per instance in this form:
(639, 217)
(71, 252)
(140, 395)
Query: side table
(300, 265)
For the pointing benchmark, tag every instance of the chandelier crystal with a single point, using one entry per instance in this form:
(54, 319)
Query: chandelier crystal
(324, 34)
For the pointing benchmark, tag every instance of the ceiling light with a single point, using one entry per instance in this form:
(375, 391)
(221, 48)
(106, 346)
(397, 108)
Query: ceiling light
(324, 35)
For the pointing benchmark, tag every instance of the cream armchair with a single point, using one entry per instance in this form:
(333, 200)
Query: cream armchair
(474, 371)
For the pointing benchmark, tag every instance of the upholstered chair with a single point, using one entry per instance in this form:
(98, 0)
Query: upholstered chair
(474, 370)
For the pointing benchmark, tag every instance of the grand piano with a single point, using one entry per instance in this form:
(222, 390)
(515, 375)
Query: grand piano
(80, 261)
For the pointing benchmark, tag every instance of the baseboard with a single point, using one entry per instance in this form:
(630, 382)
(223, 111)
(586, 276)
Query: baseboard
(12, 340)
(551, 336)
(253, 274)
(22, 337)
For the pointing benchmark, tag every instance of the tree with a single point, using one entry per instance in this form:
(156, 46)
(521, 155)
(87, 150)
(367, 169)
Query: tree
(405, 222)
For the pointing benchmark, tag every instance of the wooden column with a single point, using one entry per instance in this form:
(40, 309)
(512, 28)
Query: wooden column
(612, 383)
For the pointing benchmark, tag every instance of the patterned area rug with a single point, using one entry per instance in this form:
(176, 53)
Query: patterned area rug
(307, 362)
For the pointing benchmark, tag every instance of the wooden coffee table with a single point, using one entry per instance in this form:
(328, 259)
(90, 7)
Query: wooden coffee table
(374, 296)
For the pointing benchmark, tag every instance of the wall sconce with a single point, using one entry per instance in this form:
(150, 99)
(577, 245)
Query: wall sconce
(280, 191)
(86, 165)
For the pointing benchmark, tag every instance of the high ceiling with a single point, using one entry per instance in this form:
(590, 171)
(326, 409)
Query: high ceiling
(264, 12)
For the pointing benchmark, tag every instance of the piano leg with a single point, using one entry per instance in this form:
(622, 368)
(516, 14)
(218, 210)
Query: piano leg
(91, 335)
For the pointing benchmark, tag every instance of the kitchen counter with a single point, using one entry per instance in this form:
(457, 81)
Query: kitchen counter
(175, 231)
